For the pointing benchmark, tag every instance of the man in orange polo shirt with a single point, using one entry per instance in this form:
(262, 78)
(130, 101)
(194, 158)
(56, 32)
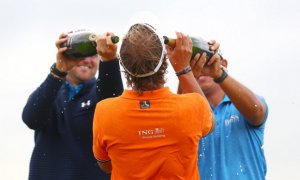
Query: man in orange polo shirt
(149, 132)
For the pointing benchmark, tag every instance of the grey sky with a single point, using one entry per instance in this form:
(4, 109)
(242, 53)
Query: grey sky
(260, 38)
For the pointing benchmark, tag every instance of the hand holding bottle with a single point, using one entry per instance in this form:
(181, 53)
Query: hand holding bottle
(106, 47)
(199, 46)
(82, 43)
(202, 67)
(64, 62)
(180, 56)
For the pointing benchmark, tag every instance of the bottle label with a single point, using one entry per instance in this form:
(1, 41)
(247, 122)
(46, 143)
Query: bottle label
(81, 43)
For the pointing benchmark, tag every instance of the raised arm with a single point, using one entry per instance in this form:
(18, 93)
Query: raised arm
(37, 109)
(109, 82)
(180, 59)
(40, 103)
(243, 98)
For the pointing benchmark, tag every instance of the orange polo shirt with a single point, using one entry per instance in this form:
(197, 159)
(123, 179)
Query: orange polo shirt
(152, 136)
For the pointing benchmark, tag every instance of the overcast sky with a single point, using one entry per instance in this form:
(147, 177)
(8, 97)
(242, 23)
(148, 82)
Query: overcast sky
(260, 38)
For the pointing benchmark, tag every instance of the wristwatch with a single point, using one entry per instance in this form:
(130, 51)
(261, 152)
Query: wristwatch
(57, 72)
(222, 77)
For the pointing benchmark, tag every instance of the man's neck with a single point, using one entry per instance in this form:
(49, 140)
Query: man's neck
(215, 97)
(71, 81)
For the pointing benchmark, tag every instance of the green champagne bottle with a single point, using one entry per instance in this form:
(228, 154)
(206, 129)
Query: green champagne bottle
(199, 46)
(83, 44)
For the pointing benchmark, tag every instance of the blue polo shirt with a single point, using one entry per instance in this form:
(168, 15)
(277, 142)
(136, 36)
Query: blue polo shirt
(234, 150)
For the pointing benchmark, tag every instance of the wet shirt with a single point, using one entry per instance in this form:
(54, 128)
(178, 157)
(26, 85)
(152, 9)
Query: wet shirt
(234, 150)
(152, 136)
(62, 123)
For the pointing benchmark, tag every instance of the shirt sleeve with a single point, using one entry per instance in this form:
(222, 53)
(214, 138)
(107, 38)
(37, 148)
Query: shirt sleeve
(99, 148)
(206, 116)
(109, 82)
(37, 111)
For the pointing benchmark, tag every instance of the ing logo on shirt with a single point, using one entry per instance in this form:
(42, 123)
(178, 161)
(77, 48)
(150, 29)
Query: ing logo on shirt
(152, 133)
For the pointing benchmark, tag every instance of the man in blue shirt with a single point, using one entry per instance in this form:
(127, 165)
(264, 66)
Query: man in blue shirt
(234, 150)
(61, 110)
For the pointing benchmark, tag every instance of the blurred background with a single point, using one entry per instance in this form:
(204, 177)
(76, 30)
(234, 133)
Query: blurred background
(260, 38)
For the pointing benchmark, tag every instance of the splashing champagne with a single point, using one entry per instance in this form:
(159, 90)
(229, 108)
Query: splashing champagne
(199, 46)
(83, 44)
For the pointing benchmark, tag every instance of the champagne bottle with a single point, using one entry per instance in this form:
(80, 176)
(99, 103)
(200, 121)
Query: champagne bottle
(199, 46)
(83, 44)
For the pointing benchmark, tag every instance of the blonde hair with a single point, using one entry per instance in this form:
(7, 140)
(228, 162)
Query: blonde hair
(141, 53)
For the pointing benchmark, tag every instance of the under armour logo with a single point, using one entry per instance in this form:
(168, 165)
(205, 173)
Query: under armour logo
(144, 104)
(86, 104)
